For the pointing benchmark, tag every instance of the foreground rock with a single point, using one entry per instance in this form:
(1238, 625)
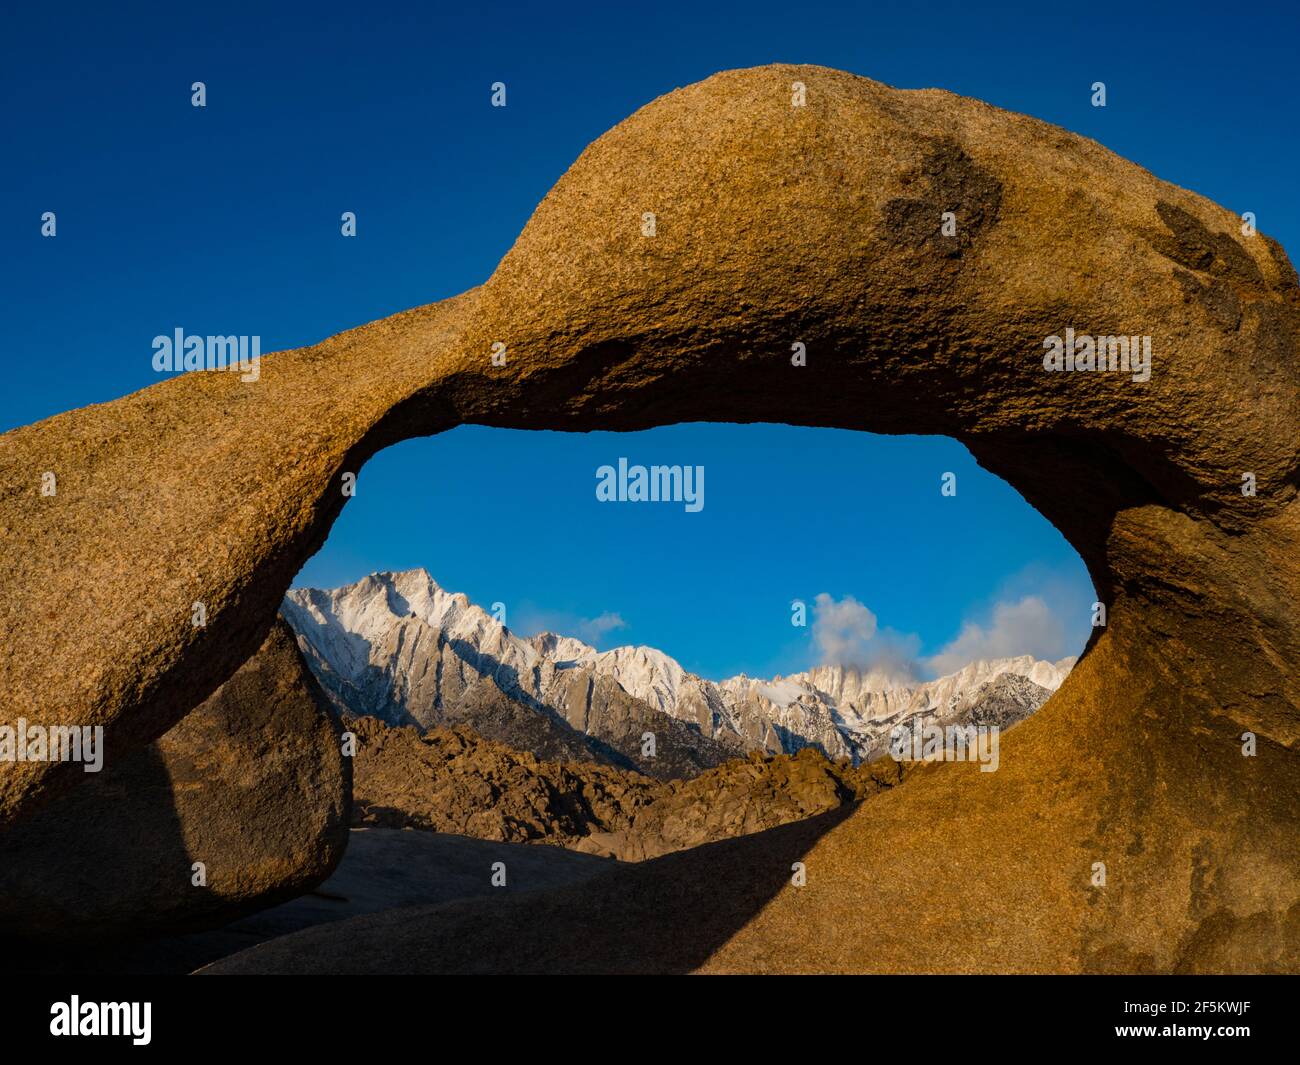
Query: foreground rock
(677, 909)
(450, 780)
(734, 907)
(383, 869)
(253, 785)
(817, 225)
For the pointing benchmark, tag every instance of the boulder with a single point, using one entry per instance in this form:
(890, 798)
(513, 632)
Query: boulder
(241, 806)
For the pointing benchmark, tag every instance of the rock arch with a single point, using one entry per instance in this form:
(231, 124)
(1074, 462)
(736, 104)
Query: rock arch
(817, 224)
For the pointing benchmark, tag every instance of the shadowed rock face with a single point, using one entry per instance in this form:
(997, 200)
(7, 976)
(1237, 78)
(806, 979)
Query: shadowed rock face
(774, 225)
(253, 784)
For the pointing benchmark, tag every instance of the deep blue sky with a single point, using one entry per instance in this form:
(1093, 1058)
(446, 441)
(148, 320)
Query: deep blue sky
(225, 220)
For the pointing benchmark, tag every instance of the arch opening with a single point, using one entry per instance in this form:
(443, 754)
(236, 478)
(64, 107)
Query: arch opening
(770, 587)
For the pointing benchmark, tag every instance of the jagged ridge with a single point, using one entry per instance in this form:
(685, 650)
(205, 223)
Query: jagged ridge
(399, 647)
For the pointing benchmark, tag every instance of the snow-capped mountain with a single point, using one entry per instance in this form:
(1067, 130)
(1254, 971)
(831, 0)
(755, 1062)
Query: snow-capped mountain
(399, 647)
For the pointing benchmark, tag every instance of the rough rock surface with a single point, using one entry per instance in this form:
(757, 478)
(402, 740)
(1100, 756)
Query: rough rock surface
(450, 780)
(253, 784)
(819, 225)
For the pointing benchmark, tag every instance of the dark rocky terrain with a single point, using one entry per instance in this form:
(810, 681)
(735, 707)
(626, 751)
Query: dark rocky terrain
(450, 780)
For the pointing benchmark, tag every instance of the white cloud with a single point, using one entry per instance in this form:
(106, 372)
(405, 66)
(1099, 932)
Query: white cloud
(843, 630)
(847, 633)
(1027, 626)
(783, 692)
(593, 630)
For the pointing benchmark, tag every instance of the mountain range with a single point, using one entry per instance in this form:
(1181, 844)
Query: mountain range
(397, 646)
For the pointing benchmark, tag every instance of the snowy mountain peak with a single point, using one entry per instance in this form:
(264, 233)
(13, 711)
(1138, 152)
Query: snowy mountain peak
(564, 650)
(393, 635)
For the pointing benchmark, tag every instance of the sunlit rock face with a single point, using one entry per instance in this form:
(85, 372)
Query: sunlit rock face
(818, 225)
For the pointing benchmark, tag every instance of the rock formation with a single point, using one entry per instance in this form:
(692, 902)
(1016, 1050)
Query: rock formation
(252, 784)
(451, 780)
(775, 225)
